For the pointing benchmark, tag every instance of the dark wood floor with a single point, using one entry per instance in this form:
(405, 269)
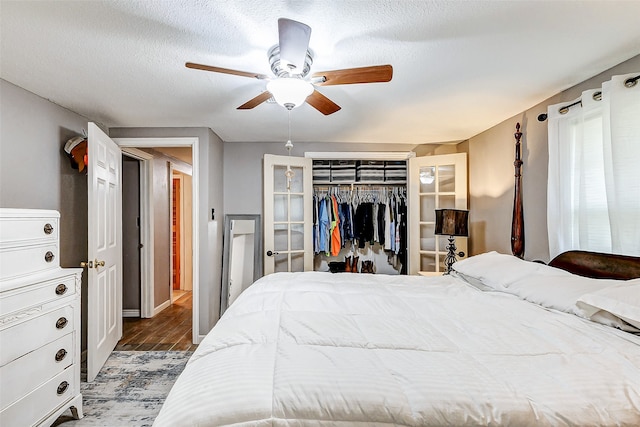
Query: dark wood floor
(169, 330)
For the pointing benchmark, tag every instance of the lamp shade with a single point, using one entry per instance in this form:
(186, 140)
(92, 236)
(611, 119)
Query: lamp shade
(452, 222)
(290, 92)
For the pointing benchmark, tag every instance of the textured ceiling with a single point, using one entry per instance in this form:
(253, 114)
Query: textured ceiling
(460, 67)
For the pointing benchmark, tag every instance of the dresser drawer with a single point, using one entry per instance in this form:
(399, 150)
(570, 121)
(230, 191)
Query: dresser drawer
(35, 332)
(38, 404)
(33, 369)
(14, 302)
(15, 262)
(20, 230)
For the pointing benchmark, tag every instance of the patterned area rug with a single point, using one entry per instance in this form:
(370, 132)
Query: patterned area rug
(129, 390)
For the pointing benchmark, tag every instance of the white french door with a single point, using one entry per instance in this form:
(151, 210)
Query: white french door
(435, 182)
(288, 215)
(104, 313)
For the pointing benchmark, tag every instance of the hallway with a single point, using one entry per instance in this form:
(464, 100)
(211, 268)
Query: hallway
(170, 330)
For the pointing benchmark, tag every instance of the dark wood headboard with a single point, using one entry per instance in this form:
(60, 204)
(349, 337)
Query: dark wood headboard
(598, 265)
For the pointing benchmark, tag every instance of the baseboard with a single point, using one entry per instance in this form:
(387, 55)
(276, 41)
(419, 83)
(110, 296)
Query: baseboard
(130, 312)
(161, 307)
(200, 338)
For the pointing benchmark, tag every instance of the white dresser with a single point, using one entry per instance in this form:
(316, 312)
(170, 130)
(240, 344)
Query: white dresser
(39, 321)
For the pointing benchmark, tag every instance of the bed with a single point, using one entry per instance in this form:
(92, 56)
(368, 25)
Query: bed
(501, 341)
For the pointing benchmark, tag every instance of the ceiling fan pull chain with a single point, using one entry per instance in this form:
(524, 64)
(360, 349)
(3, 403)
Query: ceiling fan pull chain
(289, 145)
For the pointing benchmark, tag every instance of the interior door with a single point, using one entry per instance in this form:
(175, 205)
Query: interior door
(435, 182)
(288, 215)
(104, 313)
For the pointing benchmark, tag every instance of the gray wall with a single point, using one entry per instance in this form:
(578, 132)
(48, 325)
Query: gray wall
(491, 174)
(243, 168)
(36, 174)
(210, 181)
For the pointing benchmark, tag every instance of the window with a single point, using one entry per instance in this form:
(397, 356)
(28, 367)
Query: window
(593, 197)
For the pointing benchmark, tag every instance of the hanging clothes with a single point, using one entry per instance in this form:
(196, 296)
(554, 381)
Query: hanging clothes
(387, 228)
(381, 223)
(374, 218)
(336, 242)
(392, 227)
(361, 216)
(402, 250)
(346, 222)
(316, 224)
(324, 226)
(363, 224)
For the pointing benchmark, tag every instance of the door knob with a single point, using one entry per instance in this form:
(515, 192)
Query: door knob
(92, 264)
(270, 253)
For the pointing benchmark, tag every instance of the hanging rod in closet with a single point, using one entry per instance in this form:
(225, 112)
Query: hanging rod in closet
(359, 187)
(362, 184)
(629, 83)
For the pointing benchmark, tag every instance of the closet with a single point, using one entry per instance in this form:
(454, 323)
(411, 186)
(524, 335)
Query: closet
(360, 216)
(294, 187)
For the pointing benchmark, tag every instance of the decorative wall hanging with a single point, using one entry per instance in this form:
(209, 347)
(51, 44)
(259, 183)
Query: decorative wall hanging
(76, 149)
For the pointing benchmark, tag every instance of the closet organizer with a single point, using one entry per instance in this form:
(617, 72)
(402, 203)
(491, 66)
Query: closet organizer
(360, 215)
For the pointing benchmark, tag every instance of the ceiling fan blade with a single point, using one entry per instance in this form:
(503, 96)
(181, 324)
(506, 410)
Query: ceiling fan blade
(254, 102)
(293, 41)
(322, 103)
(373, 74)
(225, 71)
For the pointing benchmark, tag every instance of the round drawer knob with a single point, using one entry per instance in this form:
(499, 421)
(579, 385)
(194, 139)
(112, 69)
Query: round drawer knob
(61, 354)
(49, 256)
(61, 323)
(61, 289)
(63, 387)
(48, 228)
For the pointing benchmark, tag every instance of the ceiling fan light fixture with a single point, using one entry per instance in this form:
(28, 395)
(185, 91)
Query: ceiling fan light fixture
(290, 92)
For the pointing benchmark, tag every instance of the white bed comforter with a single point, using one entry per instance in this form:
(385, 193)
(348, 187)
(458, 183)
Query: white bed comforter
(351, 349)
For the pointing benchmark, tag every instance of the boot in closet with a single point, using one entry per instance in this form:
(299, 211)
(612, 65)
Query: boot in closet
(348, 268)
(354, 266)
(367, 267)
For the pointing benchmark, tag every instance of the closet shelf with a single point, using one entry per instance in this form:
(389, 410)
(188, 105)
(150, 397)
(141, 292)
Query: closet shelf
(349, 184)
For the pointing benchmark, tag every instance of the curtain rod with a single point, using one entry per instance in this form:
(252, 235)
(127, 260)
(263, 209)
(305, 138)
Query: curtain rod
(629, 83)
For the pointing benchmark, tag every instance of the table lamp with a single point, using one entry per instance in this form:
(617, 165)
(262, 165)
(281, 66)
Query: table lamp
(452, 222)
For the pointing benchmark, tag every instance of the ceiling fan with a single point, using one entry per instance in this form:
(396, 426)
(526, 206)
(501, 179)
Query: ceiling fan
(290, 62)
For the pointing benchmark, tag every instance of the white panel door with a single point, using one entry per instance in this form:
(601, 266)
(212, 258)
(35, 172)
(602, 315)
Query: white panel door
(288, 215)
(104, 314)
(435, 182)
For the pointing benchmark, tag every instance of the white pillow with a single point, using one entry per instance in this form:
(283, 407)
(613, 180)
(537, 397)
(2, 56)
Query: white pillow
(559, 292)
(498, 271)
(621, 300)
(546, 286)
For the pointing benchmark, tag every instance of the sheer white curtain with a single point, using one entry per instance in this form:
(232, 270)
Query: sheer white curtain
(593, 195)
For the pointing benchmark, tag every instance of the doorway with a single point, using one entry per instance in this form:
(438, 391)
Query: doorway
(176, 232)
(165, 216)
(181, 234)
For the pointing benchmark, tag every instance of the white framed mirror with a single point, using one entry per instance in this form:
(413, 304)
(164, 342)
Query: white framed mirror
(242, 256)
